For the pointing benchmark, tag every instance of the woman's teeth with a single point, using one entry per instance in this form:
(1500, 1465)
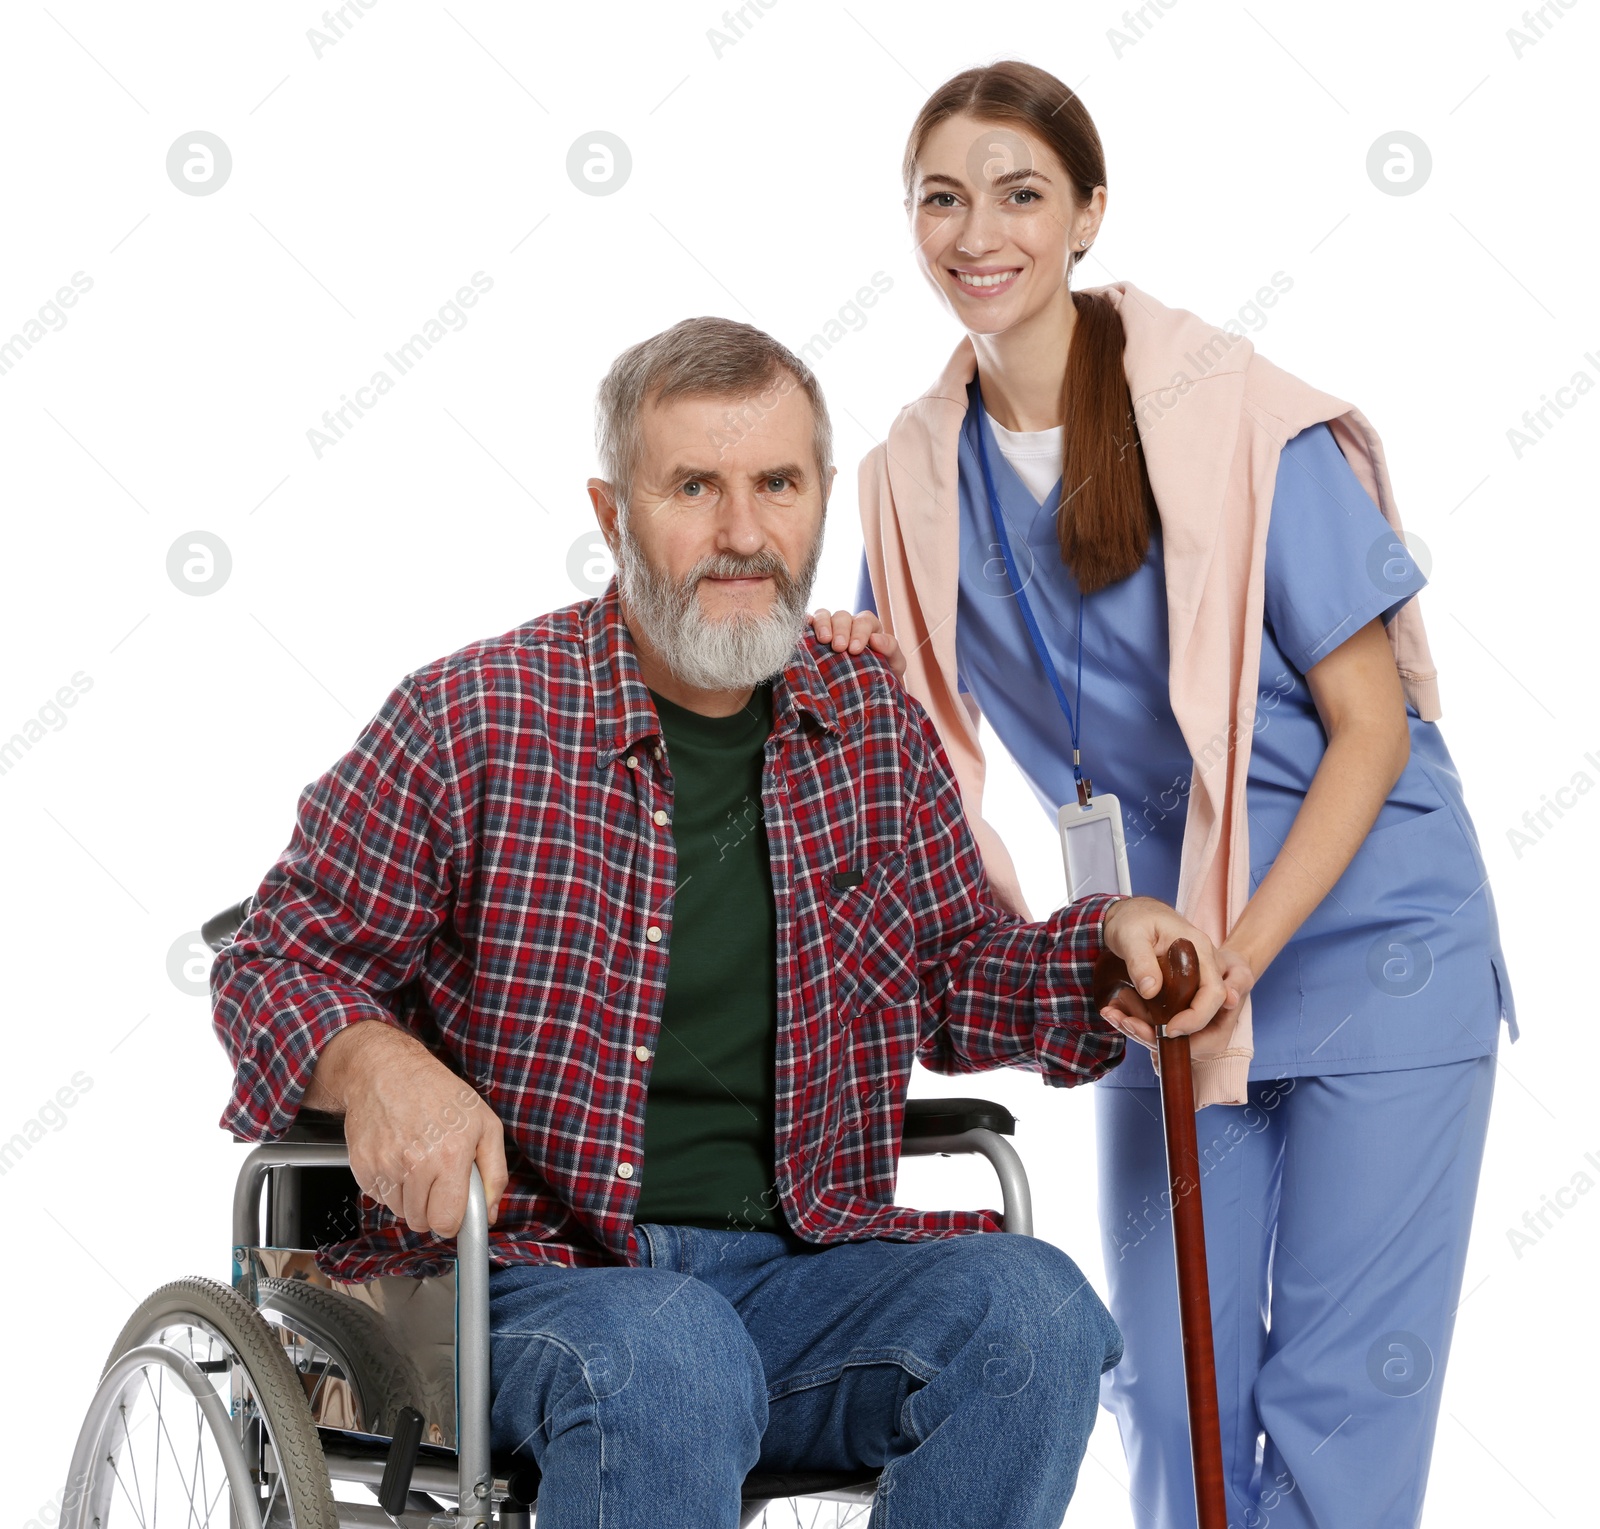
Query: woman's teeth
(984, 281)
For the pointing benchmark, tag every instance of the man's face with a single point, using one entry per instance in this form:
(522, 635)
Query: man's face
(717, 548)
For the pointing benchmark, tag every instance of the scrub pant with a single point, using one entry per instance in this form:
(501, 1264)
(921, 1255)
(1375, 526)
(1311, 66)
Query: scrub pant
(1342, 1206)
(965, 1368)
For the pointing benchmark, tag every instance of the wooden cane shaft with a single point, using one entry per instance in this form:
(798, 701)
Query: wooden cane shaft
(1194, 1289)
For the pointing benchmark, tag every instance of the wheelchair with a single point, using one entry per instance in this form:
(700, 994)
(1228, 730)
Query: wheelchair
(284, 1400)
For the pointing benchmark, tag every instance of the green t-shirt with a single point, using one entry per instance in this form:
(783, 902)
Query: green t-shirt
(710, 1114)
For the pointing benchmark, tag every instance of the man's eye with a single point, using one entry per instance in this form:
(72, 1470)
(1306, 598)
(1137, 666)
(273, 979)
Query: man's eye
(933, 199)
(692, 488)
(777, 483)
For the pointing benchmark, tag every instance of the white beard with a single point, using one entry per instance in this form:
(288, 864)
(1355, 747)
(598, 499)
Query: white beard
(733, 653)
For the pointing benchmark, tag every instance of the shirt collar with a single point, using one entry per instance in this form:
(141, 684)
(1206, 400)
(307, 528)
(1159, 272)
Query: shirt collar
(623, 711)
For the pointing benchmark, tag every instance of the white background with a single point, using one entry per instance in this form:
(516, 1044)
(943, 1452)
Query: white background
(431, 142)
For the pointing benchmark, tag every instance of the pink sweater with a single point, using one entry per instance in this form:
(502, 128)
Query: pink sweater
(1213, 417)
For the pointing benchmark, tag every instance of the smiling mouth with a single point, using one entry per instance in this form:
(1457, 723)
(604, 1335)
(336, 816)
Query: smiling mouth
(984, 283)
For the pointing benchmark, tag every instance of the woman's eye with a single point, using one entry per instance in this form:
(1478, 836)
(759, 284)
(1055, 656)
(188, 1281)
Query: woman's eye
(942, 199)
(1033, 196)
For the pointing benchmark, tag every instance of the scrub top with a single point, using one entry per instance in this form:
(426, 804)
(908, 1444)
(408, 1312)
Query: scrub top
(1400, 964)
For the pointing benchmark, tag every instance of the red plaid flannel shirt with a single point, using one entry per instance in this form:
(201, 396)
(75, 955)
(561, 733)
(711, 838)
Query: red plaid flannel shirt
(492, 867)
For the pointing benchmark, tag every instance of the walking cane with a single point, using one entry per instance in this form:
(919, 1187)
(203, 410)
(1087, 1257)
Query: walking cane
(1180, 978)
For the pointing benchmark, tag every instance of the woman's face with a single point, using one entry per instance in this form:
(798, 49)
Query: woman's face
(993, 221)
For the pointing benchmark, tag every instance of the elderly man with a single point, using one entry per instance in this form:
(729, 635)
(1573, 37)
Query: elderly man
(647, 907)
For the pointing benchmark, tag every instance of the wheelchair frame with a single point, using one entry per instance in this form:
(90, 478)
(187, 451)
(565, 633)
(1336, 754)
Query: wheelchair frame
(932, 1126)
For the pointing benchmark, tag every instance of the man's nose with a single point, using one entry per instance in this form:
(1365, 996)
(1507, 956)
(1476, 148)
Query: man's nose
(739, 528)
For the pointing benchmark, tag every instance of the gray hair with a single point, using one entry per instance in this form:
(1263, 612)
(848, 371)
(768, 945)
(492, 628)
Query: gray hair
(701, 356)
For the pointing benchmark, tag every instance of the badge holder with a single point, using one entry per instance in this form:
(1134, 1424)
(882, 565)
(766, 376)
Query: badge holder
(1093, 846)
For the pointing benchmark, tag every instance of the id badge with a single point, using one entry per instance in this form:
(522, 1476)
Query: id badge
(1093, 847)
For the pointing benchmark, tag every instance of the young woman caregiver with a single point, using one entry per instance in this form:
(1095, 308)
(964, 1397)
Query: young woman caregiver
(1211, 622)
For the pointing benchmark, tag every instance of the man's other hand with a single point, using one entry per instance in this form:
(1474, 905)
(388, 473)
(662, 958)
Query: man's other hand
(1139, 929)
(414, 1129)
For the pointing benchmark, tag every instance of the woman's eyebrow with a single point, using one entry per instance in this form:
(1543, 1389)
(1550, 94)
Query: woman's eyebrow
(1028, 172)
(1011, 177)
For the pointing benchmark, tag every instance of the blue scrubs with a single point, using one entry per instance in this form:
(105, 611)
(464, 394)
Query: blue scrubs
(1345, 1202)
(1397, 971)
(1400, 964)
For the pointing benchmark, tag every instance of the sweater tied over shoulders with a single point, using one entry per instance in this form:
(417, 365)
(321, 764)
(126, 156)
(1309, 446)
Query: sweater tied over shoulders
(1213, 417)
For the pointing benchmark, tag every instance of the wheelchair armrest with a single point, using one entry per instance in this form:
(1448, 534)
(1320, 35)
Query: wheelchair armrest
(942, 1126)
(220, 928)
(315, 1125)
(950, 1117)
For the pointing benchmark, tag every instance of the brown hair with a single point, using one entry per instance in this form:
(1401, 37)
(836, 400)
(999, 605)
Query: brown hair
(1107, 510)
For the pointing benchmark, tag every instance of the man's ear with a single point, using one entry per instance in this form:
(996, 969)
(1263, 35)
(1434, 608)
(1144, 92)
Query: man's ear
(827, 486)
(604, 500)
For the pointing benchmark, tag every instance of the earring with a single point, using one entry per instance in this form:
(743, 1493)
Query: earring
(1083, 244)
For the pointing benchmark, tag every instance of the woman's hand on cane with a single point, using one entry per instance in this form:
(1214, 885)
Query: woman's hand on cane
(1238, 977)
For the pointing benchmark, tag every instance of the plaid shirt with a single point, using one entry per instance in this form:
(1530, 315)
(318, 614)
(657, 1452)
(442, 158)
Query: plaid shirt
(492, 867)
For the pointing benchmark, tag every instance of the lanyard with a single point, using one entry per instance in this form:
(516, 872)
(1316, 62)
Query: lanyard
(1085, 786)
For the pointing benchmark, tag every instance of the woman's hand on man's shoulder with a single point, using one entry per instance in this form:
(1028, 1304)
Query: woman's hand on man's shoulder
(853, 632)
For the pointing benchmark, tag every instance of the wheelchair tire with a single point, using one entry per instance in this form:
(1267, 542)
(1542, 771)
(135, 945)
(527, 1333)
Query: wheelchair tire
(354, 1339)
(198, 1332)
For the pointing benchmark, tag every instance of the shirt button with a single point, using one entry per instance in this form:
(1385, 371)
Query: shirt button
(653, 934)
(633, 761)
(624, 1170)
(660, 817)
(642, 1052)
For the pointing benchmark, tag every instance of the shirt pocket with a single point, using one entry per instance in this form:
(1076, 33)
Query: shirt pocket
(872, 941)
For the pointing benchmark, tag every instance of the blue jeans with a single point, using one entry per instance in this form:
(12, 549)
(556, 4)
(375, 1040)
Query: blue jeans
(966, 1369)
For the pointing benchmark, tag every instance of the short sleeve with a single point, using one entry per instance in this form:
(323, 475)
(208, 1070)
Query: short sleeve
(1333, 560)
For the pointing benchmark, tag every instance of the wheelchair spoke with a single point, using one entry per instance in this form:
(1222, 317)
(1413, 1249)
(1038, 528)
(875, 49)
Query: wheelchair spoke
(133, 1463)
(211, 1507)
(157, 1395)
(272, 1497)
(199, 1471)
(127, 1454)
(823, 1515)
(325, 1370)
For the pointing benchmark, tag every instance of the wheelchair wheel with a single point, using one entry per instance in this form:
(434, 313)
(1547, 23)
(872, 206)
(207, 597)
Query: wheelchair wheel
(332, 1337)
(199, 1422)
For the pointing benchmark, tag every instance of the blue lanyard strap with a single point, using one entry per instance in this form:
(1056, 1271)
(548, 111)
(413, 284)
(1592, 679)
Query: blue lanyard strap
(1029, 619)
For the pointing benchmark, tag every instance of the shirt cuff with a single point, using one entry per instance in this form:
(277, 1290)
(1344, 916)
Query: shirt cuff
(276, 1065)
(1074, 1044)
